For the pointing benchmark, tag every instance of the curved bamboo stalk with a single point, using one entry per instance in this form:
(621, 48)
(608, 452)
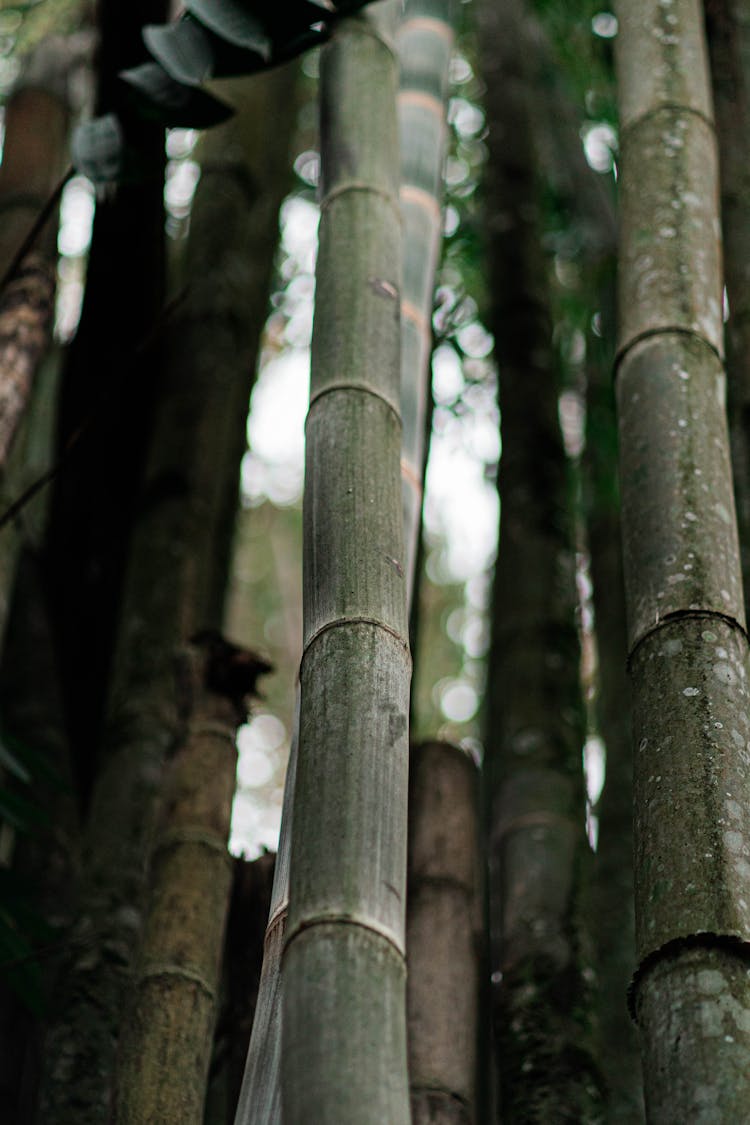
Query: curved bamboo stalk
(541, 1002)
(688, 645)
(425, 43)
(344, 1041)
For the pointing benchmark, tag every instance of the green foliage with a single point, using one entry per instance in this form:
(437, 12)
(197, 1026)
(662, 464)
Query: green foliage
(212, 39)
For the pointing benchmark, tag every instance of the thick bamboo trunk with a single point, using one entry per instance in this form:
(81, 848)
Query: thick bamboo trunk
(177, 575)
(344, 1033)
(443, 935)
(688, 646)
(535, 725)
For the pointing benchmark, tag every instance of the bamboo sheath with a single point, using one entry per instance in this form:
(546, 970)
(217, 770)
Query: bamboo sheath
(687, 639)
(344, 1041)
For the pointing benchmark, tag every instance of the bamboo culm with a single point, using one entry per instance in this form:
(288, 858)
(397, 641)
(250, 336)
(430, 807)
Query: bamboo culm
(686, 619)
(344, 1026)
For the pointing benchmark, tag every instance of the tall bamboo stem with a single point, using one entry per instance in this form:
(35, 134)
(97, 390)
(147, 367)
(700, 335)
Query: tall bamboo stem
(344, 1041)
(425, 42)
(687, 639)
(541, 1003)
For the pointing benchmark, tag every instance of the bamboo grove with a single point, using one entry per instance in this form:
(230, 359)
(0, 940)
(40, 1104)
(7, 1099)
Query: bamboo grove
(451, 931)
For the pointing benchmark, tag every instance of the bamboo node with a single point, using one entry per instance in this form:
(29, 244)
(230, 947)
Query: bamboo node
(663, 330)
(410, 475)
(421, 100)
(359, 387)
(668, 107)
(178, 836)
(410, 193)
(211, 728)
(360, 185)
(394, 940)
(428, 24)
(340, 622)
(152, 969)
(410, 312)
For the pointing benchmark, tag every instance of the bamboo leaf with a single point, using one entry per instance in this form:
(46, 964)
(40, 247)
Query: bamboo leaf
(235, 22)
(162, 99)
(183, 50)
(191, 53)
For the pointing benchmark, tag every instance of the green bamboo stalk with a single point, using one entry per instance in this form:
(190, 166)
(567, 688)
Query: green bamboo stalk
(688, 645)
(443, 934)
(425, 43)
(344, 1034)
(727, 25)
(541, 1002)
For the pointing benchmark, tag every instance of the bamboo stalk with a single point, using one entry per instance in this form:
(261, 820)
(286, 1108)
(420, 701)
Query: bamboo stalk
(344, 1042)
(541, 999)
(727, 24)
(688, 645)
(175, 586)
(443, 934)
(165, 1043)
(425, 43)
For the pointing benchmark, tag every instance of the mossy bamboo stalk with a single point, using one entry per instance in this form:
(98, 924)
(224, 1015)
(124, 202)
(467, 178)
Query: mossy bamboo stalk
(443, 934)
(344, 1033)
(163, 1062)
(165, 1043)
(425, 42)
(541, 1002)
(686, 618)
(727, 27)
(425, 39)
(176, 580)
